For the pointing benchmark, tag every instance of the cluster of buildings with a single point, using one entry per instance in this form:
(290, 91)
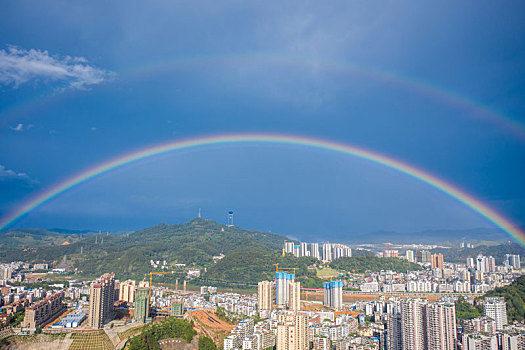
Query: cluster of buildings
(326, 252)
(440, 277)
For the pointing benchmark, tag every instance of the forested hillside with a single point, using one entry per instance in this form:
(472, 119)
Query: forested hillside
(252, 266)
(192, 243)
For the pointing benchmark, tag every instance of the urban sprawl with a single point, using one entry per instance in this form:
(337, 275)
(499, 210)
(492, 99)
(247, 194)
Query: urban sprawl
(371, 310)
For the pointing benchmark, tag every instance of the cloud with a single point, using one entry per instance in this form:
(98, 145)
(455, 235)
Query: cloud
(19, 66)
(8, 175)
(21, 127)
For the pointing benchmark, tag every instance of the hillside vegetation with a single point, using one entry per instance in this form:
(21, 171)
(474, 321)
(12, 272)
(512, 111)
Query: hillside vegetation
(35, 237)
(252, 266)
(361, 264)
(192, 243)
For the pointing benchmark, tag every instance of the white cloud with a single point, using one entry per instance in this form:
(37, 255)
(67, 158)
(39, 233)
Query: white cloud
(18, 66)
(22, 127)
(11, 175)
(19, 127)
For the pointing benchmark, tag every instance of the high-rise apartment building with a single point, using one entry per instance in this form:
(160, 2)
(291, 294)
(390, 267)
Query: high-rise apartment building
(410, 256)
(333, 294)
(127, 291)
(423, 256)
(424, 326)
(282, 288)
(436, 261)
(485, 264)
(413, 320)
(101, 300)
(471, 263)
(327, 252)
(141, 305)
(496, 308)
(512, 260)
(304, 249)
(294, 299)
(6, 273)
(265, 295)
(394, 332)
(292, 331)
(314, 251)
(441, 326)
(288, 247)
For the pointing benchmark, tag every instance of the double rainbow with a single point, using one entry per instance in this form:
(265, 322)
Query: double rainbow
(454, 192)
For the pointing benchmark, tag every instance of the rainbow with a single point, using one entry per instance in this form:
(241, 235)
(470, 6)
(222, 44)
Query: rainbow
(454, 192)
(407, 83)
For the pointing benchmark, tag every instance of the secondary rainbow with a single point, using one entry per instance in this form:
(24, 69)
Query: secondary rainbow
(476, 205)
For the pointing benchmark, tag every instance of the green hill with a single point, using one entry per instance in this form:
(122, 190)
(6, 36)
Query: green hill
(35, 237)
(193, 243)
(252, 266)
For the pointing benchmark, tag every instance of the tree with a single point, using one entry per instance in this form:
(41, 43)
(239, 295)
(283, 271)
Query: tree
(206, 343)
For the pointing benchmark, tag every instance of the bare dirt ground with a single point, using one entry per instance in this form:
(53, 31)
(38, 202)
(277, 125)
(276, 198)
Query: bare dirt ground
(208, 324)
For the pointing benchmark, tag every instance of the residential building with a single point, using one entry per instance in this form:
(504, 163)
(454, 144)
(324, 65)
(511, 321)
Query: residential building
(394, 332)
(327, 252)
(436, 261)
(43, 312)
(294, 299)
(410, 256)
(314, 251)
(265, 295)
(101, 300)
(282, 288)
(496, 308)
(512, 260)
(333, 294)
(390, 253)
(127, 291)
(441, 326)
(423, 256)
(292, 331)
(413, 321)
(141, 305)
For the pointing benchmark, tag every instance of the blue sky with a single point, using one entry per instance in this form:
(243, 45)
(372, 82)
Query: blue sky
(81, 83)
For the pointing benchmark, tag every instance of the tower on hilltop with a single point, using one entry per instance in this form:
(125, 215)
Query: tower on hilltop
(230, 218)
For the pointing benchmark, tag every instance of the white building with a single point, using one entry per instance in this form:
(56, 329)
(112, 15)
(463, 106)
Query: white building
(496, 308)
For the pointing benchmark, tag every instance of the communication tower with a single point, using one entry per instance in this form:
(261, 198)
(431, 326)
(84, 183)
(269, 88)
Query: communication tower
(230, 218)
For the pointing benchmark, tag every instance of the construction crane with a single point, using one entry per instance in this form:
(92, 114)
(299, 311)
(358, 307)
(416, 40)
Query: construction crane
(277, 268)
(151, 281)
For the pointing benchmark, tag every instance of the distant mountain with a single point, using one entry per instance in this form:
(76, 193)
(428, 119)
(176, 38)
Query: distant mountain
(24, 238)
(476, 235)
(194, 243)
(67, 230)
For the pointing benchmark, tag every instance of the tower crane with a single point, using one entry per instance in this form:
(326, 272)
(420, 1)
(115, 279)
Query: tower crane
(151, 280)
(277, 268)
